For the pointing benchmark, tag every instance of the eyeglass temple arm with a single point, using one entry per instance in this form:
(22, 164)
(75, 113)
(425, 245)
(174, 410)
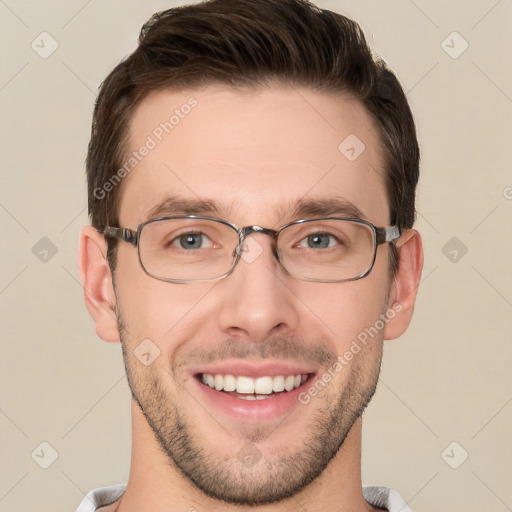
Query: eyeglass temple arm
(388, 234)
(125, 234)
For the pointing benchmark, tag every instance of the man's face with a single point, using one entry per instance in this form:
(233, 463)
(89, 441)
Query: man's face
(254, 155)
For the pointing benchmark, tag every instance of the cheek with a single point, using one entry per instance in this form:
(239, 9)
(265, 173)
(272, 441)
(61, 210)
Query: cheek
(342, 311)
(151, 308)
(161, 310)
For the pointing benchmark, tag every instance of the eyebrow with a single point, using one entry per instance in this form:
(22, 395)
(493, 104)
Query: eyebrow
(336, 206)
(176, 205)
(303, 208)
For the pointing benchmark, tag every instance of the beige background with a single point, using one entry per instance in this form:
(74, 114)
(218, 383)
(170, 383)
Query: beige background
(448, 379)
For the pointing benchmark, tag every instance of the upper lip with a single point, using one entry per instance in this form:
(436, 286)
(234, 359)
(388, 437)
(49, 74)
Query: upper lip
(254, 369)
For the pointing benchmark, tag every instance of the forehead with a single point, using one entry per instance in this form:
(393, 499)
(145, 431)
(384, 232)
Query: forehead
(253, 154)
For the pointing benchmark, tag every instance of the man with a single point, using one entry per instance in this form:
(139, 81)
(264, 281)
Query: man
(252, 173)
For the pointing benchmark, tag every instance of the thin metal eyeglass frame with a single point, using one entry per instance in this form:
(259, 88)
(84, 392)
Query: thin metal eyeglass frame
(381, 235)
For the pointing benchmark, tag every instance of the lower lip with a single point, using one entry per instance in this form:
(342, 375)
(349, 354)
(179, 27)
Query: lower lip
(253, 410)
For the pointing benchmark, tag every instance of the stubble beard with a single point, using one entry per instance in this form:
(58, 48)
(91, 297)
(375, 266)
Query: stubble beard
(275, 476)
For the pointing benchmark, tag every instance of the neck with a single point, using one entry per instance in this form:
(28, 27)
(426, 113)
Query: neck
(156, 485)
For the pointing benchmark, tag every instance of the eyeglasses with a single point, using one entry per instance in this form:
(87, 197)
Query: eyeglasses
(190, 248)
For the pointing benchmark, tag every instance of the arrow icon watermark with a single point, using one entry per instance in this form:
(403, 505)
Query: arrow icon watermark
(44, 250)
(146, 352)
(352, 147)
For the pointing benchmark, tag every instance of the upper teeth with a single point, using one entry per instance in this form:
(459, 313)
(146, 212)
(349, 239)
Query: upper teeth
(260, 386)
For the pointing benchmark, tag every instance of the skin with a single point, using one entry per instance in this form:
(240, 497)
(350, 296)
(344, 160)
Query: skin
(254, 153)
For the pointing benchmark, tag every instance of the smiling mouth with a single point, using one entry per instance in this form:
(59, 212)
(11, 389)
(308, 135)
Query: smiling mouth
(247, 388)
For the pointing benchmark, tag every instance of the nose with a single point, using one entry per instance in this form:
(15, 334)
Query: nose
(257, 298)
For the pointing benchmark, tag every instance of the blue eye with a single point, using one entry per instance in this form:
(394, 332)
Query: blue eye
(192, 240)
(319, 241)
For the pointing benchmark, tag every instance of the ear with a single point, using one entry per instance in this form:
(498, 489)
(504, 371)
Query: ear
(405, 285)
(97, 283)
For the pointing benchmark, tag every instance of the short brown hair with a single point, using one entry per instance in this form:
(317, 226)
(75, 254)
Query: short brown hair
(250, 43)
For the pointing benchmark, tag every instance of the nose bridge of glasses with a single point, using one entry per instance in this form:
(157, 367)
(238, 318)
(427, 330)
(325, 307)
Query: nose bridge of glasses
(249, 230)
